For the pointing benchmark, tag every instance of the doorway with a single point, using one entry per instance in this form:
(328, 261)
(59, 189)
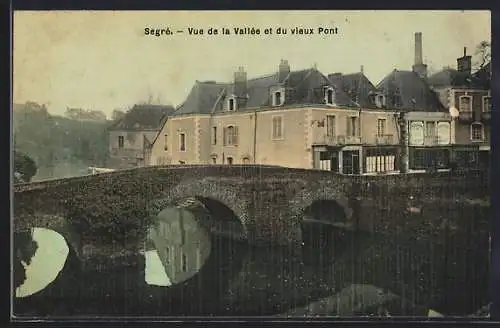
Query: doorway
(350, 162)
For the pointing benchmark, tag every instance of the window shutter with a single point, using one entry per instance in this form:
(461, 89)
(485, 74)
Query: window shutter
(225, 136)
(348, 127)
(235, 136)
(358, 126)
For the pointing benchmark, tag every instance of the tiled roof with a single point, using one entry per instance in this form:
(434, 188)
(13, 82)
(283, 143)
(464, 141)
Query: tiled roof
(415, 92)
(303, 86)
(450, 77)
(202, 98)
(144, 117)
(356, 85)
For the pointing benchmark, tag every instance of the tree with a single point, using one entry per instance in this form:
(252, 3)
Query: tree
(483, 54)
(24, 167)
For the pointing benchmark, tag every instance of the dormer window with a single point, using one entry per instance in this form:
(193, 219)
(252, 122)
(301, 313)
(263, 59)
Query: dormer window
(231, 104)
(380, 101)
(330, 96)
(278, 97)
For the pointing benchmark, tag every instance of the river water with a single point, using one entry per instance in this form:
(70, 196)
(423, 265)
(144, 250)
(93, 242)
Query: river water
(333, 269)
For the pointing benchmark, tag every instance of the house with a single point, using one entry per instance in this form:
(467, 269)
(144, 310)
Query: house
(304, 119)
(468, 93)
(291, 118)
(428, 122)
(130, 138)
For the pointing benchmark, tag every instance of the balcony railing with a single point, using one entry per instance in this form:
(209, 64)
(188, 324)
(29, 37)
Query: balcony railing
(339, 140)
(430, 140)
(385, 139)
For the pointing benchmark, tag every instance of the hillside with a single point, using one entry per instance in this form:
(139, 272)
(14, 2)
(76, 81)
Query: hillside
(61, 147)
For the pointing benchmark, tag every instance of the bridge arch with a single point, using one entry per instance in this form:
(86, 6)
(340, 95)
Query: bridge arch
(219, 200)
(45, 266)
(323, 217)
(184, 223)
(308, 203)
(58, 221)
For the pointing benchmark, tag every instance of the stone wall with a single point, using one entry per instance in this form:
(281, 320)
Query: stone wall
(117, 207)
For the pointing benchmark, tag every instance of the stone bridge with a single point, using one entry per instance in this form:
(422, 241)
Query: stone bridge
(117, 208)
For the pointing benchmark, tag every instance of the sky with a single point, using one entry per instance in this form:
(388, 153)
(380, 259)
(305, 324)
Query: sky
(103, 60)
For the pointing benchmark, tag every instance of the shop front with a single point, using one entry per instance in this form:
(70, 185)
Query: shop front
(380, 159)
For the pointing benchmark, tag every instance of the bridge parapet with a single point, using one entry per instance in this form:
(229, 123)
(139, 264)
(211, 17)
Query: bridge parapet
(268, 200)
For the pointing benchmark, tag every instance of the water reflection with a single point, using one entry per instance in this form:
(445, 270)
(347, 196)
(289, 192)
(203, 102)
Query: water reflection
(154, 271)
(221, 276)
(182, 244)
(49, 259)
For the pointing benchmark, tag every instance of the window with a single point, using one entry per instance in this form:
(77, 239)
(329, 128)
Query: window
(430, 129)
(182, 142)
(183, 262)
(278, 98)
(465, 104)
(330, 125)
(381, 123)
(121, 141)
(398, 101)
(231, 104)
(231, 136)
(182, 162)
(246, 160)
(277, 127)
(214, 135)
(476, 132)
(380, 101)
(214, 160)
(330, 96)
(165, 140)
(229, 160)
(352, 126)
(486, 104)
(167, 251)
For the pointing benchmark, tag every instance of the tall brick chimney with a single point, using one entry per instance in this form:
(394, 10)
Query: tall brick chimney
(240, 83)
(419, 67)
(283, 71)
(464, 63)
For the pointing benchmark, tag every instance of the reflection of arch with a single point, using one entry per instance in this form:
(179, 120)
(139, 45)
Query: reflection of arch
(46, 291)
(48, 260)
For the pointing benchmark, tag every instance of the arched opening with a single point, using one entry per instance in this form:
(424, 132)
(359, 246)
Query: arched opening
(185, 238)
(49, 257)
(44, 272)
(326, 232)
(195, 248)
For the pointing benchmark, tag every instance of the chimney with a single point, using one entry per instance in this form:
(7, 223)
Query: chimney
(362, 69)
(464, 64)
(418, 48)
(240, 83)
(419, 67)
(284, 70)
